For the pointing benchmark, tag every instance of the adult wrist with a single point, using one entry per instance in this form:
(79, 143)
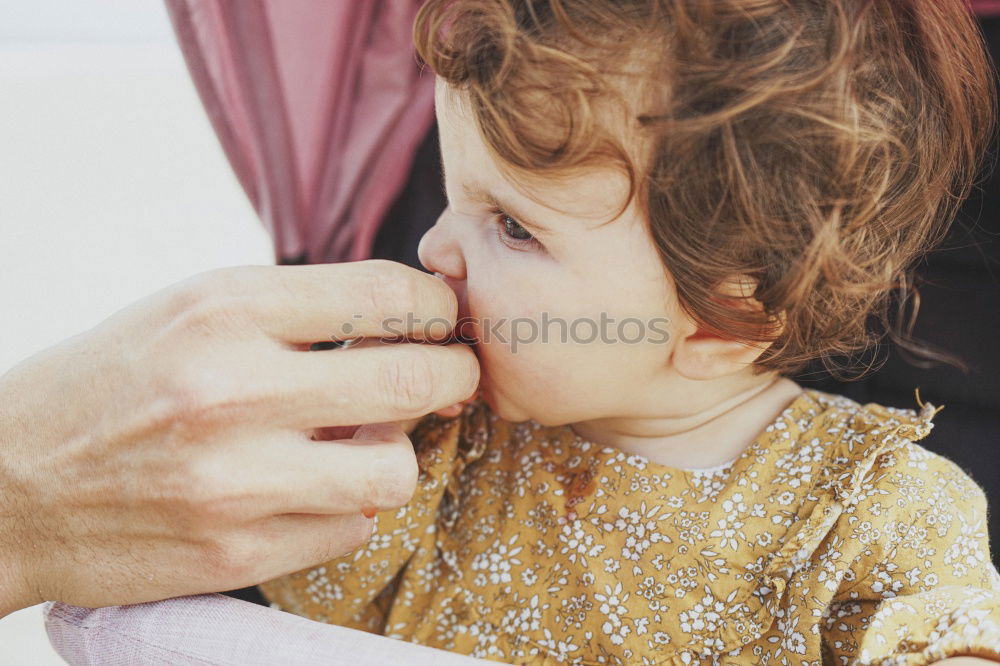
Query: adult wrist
(15, 587)
(16, 590)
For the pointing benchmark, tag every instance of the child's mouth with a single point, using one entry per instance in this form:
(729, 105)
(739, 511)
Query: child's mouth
(465, 331)
(472, 343)
(460, 334)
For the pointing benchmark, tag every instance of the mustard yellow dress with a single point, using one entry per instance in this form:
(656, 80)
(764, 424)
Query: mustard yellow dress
(833, 539)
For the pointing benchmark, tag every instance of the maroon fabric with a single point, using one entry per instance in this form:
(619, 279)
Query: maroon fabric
(986, 7)
(319, 107)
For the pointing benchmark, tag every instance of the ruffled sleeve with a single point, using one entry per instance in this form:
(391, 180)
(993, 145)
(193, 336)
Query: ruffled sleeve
(357, 589)
(922, 587)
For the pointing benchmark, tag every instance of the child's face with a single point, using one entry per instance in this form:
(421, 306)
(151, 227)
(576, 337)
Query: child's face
(590, 275)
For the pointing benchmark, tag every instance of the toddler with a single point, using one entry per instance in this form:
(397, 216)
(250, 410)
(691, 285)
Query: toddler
(658, 210)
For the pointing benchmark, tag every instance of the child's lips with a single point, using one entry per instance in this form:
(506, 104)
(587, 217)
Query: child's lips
(465, 325)
(465, 331)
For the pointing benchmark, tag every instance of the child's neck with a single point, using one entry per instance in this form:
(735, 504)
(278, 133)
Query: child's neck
(704, 437)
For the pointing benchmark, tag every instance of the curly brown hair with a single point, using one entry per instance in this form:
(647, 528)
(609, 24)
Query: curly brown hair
(813, 149)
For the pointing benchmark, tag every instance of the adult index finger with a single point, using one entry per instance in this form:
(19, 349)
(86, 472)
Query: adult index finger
(372, 298)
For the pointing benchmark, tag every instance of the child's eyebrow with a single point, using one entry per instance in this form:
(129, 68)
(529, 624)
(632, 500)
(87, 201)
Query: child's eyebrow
(479, 194)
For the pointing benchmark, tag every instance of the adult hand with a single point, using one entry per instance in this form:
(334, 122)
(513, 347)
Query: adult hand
(170, 449)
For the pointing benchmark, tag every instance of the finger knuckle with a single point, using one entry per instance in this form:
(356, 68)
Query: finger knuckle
(208, 301)
(204, 394)
(393, 480)
(202, 494)
(192, 397)
(189, 487)
(408, 381)
(212, 510)
(352, 535)
(196, 292)
(470, 371)
(230, 557)
(341, 536)
(390, 290)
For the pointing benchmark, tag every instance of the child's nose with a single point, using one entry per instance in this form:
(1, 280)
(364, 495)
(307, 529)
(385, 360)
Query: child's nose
(439, 250)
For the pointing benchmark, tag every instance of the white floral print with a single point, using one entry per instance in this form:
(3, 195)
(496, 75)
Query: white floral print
(834, 538)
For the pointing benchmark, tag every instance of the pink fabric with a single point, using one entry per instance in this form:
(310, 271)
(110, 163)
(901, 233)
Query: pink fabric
(215, 629)
(986, 7)
(319, 106)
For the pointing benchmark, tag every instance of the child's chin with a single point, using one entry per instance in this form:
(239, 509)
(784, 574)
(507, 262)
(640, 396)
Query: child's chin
(503, 409)
(498, 407)
(484, 395)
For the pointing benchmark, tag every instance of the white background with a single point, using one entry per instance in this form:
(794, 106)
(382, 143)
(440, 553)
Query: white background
(112, 186)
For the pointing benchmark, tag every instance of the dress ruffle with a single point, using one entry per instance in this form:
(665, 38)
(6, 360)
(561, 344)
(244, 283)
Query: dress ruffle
(525, 544)
(877, 430)
(752, 609)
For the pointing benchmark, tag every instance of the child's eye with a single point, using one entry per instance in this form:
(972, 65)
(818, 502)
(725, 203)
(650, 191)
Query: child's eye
(513, 234)
(513, 229)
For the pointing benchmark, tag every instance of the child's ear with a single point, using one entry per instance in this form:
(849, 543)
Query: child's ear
(701, 354)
